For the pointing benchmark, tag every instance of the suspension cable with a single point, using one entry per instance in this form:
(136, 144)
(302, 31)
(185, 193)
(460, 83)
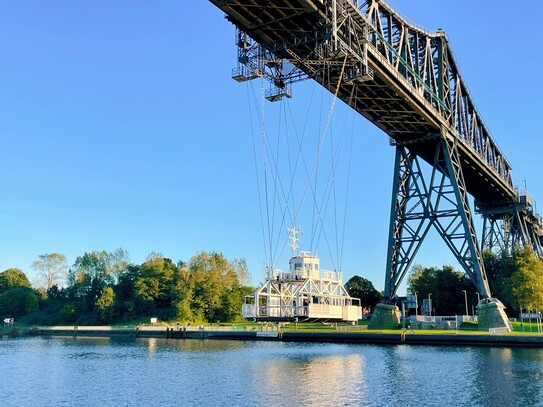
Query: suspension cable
(263, 230)
(330, 111)
(274, 188)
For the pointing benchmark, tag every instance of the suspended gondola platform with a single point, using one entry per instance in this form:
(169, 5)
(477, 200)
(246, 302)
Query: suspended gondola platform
(304, 293)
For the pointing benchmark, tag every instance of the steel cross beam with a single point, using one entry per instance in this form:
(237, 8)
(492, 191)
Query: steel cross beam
(505, 229)
(495, 234)
(420, 202)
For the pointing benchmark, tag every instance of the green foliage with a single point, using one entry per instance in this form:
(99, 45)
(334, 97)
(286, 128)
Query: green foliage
(17, 302)
(16, 297)
(446, 287)
(499, 269)
(153, 287)
(231, 304)
(105, 288)
(91, 266)
(527, 281)
(68, 314)
(117, 263)
(516, 279)
(359, 287)
(105, 304)
(91, 273)
(31, 303)
(12, 278)
(212, 277)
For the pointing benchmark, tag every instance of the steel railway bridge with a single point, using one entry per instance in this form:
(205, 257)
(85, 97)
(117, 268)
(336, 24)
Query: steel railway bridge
(406, 81)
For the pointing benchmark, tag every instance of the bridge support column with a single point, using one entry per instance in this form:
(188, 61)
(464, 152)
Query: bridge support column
(419, 202)
(385, 316)
(491, 314)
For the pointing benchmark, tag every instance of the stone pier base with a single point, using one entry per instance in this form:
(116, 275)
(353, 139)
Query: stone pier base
(491, 314)
(385, 317)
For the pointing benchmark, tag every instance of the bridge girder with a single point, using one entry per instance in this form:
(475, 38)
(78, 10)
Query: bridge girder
(406, 81)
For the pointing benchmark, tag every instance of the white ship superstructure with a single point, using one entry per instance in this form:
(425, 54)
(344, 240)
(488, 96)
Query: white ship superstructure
(305, 292)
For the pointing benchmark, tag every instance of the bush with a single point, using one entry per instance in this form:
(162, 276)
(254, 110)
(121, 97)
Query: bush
(17, 302)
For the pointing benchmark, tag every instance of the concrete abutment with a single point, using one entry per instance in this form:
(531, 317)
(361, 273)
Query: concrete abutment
(385, 316)
(491, 314)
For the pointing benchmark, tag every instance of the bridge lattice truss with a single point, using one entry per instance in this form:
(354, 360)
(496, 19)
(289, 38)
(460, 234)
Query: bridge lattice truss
(406, 81)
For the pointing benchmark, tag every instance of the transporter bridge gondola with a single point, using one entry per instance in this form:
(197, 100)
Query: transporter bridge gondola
(304, 293)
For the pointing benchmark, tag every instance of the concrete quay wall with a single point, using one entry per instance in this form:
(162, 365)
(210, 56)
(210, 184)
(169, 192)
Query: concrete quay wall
(329, 337)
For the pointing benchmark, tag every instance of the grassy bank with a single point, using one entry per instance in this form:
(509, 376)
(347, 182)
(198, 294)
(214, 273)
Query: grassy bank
(470, 328)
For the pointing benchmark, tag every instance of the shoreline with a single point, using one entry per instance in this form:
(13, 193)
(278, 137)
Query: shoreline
(406, 338)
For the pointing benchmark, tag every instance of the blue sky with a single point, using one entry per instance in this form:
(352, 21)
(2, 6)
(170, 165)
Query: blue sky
(121, 127)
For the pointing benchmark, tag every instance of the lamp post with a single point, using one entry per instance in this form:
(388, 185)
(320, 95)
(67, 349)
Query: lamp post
(429, 304)
(416, 304)
(466, 298)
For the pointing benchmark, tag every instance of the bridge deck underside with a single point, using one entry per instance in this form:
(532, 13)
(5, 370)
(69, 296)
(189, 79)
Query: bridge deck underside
(385, 101)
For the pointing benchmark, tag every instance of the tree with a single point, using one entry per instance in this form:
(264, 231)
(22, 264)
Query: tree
(231, 303)
(117, 262)
(105, 304)
(105, 287)
(88, 276)
(184, 288)
(17, 301)
(90, 266)
(154, 285)
(154, 255)
(12, 278)
(242, 271)
(67, 313)
(499, 269)
(213, 279)
(527, 281)
(51, 269)
(359, 287)
(445, 286)
(124, 293)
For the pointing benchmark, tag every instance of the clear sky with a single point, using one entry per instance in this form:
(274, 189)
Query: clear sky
(120, 126)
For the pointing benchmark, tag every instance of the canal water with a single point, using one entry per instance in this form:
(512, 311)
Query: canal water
(159, 372)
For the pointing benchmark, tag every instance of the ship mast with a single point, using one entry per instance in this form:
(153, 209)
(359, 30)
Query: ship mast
(293, 239)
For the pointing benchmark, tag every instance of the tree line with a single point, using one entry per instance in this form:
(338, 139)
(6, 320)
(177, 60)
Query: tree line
(105, 287)
(514, 278)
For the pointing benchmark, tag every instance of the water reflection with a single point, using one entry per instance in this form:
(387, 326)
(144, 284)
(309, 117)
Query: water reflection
(204, 345)
(151, 346)
(303, 377)
(506, 376)
(116, 371)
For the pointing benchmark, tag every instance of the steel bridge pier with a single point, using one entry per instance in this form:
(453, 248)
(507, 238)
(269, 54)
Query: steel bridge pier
(420, 202)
